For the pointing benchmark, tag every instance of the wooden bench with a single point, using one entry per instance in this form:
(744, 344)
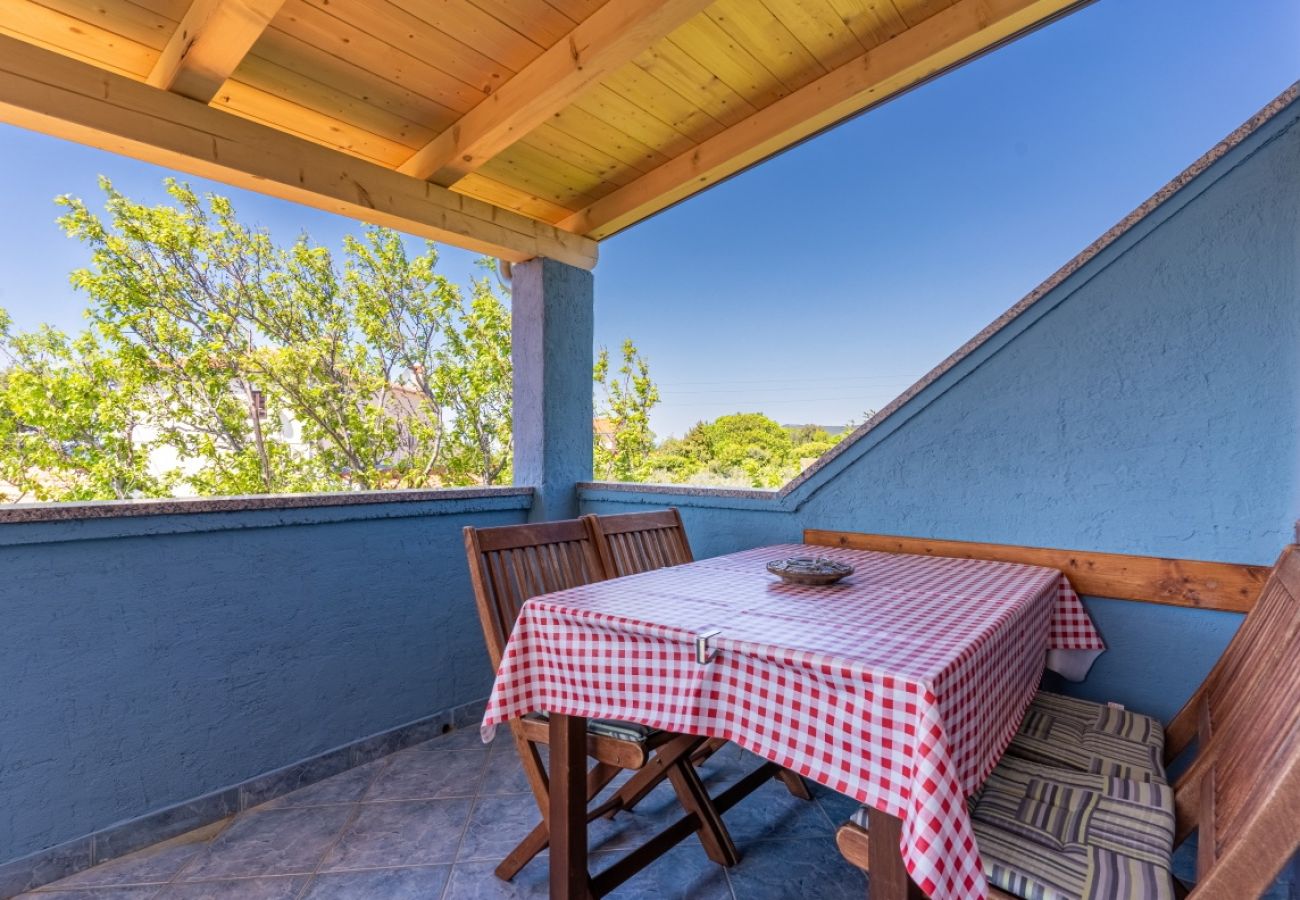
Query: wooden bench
(1241, 791)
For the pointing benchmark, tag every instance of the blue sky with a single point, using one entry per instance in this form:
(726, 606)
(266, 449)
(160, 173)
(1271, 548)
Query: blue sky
(825, 281)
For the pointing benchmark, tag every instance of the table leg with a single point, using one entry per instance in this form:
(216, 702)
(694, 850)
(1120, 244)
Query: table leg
(568, 813)
(888, 875)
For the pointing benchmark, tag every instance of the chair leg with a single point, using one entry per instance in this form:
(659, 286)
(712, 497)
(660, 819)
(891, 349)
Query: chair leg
(651, 775)
(600, 775)
(695, 799)
(794, 784)
(524, 851)
(711, 746)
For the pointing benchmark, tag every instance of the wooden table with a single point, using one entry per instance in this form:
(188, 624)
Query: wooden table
(899, 687)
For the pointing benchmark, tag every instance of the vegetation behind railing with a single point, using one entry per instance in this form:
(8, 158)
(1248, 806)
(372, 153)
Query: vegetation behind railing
(218, 362)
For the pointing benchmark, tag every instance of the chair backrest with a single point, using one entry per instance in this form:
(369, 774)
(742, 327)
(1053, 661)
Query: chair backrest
(1268, 620)
(510, 564)
(629, 543)
(1242, 792)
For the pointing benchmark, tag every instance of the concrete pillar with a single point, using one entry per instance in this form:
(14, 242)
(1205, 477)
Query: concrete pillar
(552, 334)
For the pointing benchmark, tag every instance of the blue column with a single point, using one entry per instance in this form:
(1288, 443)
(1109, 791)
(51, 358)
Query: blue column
(552, 333)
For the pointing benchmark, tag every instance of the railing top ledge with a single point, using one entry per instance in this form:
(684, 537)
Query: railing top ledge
(111, 509)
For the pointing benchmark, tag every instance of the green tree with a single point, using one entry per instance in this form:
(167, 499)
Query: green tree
(69, 427)
(748, 443)
(741, 449)
(810, 441)
(393, 378)
(746, 449)
(624, 399)
(473, 382)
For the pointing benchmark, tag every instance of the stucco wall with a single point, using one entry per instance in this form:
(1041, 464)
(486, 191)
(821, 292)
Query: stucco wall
(1145, 404)
(147, 661)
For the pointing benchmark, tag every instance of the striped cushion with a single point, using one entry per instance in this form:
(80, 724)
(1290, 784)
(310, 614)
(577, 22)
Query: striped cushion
(1091, 737)
(1050, 834)
(611, 728)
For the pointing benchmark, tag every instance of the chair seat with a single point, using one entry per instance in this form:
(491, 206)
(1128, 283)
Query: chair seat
(610, 728)
(1050, 834)
(1091, 737)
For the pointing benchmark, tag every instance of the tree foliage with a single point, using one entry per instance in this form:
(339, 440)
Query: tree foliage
(258, 368)
(68, 419)
(624, 398)
(742, 449)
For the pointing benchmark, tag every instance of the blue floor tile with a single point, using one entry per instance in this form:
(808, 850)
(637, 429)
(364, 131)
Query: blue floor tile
(152, 865)
(475, 881)
(497, 825)
(424, 883)
(285, 888)
(346, 787)
(401, 833)
(271, 842)
(683, 873)
(464, 739)
(771, 813)
(430, 775)
(795, 870)
(505, 773)
(97, 893)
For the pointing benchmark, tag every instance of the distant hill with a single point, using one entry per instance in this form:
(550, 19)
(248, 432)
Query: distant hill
(832, 430)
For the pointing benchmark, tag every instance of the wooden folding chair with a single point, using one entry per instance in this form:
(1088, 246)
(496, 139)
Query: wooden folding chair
(632, 543)
(510, 564)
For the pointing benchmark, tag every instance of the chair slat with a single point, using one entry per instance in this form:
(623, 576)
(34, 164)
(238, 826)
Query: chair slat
(623, 560)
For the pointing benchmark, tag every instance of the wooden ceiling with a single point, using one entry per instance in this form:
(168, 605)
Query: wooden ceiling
(516, 127)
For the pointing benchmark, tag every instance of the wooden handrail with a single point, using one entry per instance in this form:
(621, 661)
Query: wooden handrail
(1232, 587)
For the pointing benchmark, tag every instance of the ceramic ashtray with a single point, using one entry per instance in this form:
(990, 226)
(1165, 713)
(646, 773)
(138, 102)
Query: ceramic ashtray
(809, 570)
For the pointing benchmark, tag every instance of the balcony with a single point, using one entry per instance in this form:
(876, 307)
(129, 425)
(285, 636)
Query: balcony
(271, 697)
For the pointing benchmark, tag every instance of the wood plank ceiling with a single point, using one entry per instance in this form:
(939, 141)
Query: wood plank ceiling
(580, 116)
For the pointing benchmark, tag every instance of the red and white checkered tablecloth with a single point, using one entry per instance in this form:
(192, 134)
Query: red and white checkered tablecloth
(901, 686)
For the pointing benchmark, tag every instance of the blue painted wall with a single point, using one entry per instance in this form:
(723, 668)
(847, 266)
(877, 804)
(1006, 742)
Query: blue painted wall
(147, 661)
(1148, 404)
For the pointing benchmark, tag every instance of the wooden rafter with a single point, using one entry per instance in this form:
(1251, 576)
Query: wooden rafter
(940, 42)
(600, 44)
(46, 91)
(209, 44)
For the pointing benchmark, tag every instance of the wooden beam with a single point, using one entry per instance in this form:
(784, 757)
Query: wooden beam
(1232, 587)
(951, 37)
(208, 45)
(48, 92)
(607, 39)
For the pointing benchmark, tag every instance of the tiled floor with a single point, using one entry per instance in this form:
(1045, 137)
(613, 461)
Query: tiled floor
(432, 822)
